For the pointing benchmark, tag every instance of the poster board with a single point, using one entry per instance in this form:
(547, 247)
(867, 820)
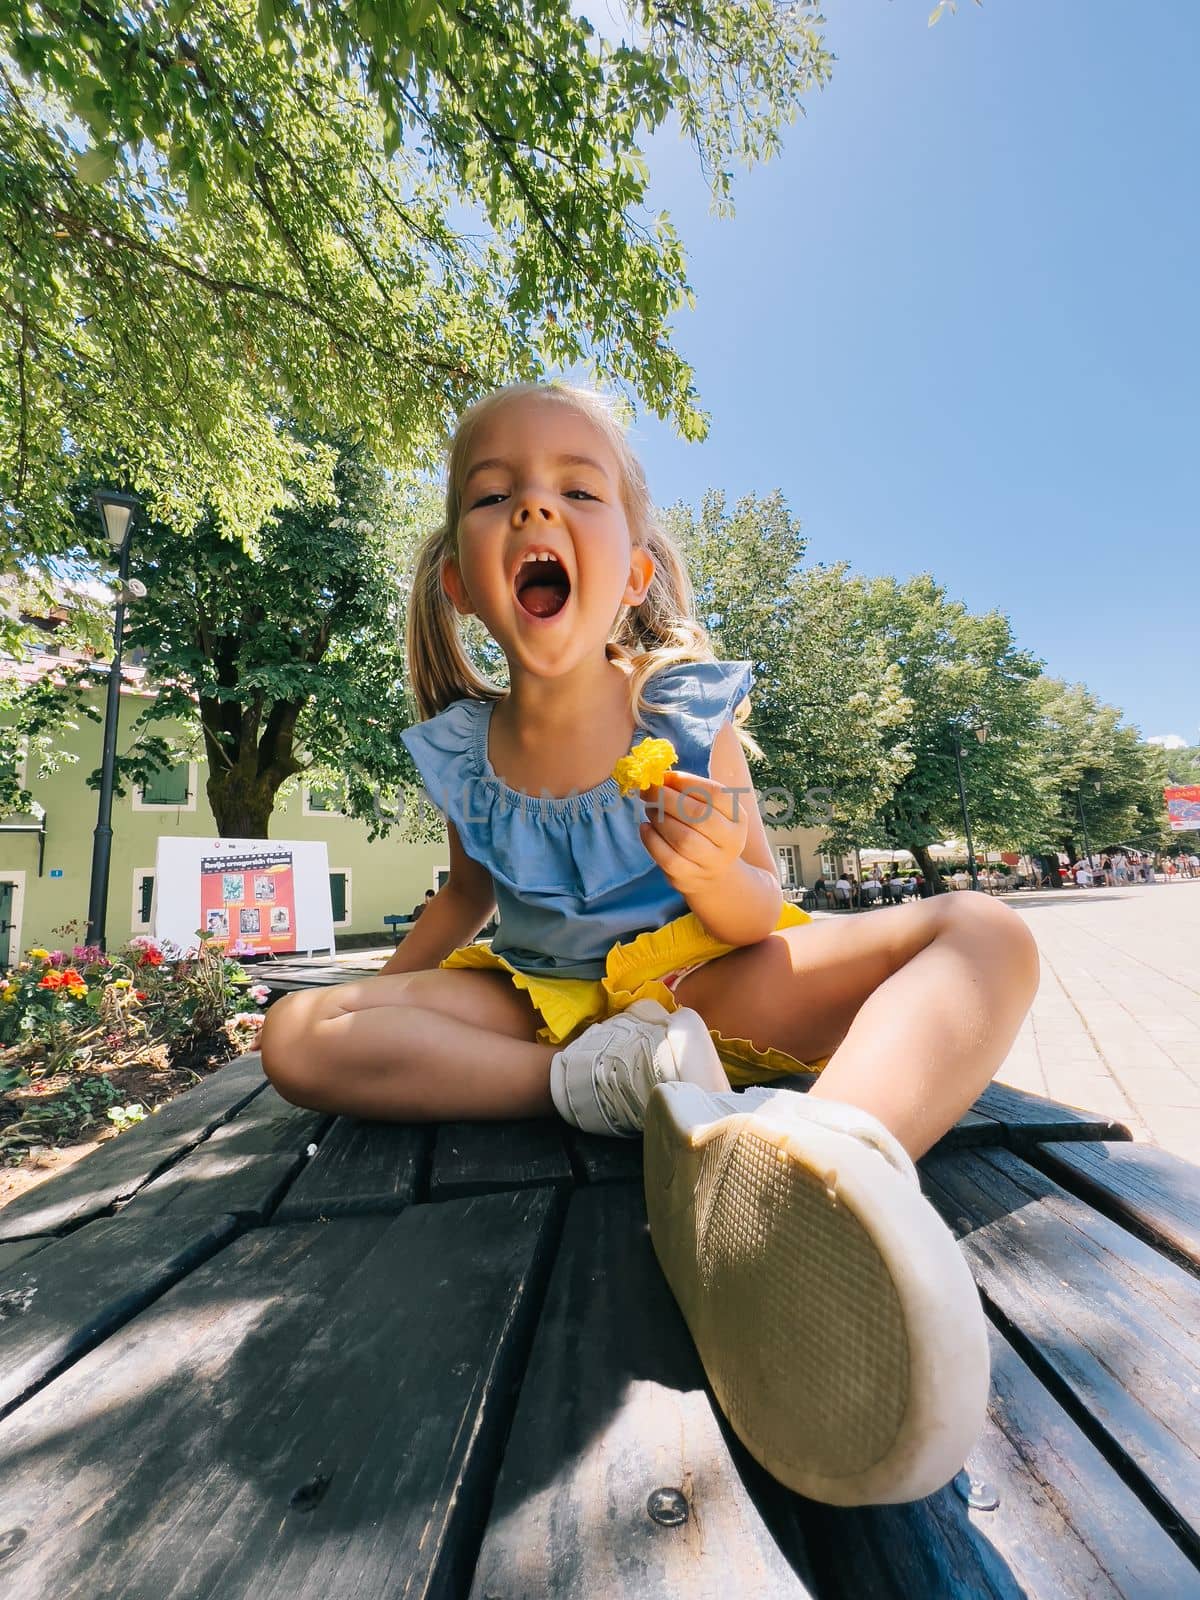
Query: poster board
(264, 896)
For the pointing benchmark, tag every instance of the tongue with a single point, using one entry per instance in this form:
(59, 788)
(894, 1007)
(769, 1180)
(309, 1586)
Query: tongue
(544, 599)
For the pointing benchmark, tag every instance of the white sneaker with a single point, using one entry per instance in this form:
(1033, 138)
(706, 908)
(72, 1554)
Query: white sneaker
(601, 1081)
(832, 1310)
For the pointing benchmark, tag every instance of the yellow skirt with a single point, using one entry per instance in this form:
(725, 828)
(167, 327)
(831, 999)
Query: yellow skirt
(635, 971)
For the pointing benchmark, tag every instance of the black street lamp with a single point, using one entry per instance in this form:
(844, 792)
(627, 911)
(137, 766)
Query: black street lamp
(981, 733)
(1087, 844)
(117, 513)
(1083, 820)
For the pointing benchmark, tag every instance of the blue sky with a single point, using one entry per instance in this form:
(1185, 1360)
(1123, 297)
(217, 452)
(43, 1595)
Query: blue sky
(957, 323)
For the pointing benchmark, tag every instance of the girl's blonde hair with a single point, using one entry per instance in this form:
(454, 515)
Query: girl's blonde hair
(660, 632)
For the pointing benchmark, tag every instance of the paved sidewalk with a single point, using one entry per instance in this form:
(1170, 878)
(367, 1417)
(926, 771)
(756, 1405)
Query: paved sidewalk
(1115, 1027)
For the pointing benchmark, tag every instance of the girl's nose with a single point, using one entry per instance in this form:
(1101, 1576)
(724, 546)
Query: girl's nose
(530, 508)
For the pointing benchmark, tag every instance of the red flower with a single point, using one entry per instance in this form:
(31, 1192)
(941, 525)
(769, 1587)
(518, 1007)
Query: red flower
(52, 980)
(150, 957)
(140, 994)
(70, 977)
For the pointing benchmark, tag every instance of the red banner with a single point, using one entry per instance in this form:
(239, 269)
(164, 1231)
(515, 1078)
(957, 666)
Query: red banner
(1183, 808)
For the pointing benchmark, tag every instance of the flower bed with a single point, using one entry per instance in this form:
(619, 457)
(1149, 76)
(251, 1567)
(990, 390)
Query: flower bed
(90, 1041)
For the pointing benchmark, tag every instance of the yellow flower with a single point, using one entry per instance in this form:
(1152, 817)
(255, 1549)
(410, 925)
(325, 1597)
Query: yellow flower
(77, 991)
(646, 764)
(40, 955)
(122, 983)
(10, 994)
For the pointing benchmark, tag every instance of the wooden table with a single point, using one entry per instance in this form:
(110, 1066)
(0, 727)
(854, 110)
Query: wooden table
(249, 1350)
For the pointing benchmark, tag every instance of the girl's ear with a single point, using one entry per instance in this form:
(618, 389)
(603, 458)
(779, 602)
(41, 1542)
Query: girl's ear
(641, 575)
(456, 589)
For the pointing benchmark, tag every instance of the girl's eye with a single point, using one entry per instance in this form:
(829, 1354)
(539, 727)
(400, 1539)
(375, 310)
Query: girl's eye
(582, 493)
(487, 500)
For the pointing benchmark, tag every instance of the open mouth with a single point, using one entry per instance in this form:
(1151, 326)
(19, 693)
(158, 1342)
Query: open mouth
(542, 586)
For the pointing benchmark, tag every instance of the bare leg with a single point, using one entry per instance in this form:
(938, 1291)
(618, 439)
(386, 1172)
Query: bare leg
(916, 1011)
(420, 1046)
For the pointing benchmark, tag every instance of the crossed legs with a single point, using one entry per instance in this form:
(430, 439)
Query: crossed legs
(916, 1011)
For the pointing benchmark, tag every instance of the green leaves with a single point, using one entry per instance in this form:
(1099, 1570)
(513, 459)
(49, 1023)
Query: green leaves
(957, 671)
(388, 198)
(1099, 774)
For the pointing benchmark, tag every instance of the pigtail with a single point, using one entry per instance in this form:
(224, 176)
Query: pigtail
(663, 630)
(439, 669)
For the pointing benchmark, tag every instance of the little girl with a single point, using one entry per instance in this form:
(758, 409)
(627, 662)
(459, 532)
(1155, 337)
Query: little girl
(645, 960)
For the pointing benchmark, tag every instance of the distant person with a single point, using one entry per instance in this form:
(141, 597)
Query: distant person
(420, 905)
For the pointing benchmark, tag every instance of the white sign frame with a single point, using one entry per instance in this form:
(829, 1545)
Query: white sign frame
(177, 889)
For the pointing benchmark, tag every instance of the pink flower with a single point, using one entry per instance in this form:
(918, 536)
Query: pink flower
(259, 993)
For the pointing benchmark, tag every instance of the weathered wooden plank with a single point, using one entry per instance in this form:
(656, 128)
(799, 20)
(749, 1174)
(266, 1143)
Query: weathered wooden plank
(57, 1305)
(217, 1180)
(612, 1410)
(285, 981)
(314, 1414)
(1065, 1528)
(1029, 1118)
(602, 1160)
(482, 1157)
(10, 1254)
(360, 1169)
(972, 1129)
(118, 1168)
(270, 1125)
(1151, 1191)
(1110, 1322)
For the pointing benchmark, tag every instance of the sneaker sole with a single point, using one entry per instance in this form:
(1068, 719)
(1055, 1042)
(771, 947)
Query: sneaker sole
(834, 1315)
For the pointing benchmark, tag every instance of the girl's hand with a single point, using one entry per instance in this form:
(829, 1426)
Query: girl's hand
(696, 831)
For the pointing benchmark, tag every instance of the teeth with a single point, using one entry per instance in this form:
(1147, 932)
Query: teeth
(542, 555)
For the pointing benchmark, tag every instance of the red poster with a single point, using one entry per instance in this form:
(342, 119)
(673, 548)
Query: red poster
(250, 901)
(1183, 808)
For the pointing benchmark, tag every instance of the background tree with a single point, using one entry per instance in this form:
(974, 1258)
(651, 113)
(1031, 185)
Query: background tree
(959, 671)
(289, 659)
(1103, 785)
(1183, 765)
(353, 215)
(826, 703)
(283, 660)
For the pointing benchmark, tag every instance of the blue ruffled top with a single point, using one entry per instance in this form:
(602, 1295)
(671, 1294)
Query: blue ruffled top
(572, 876)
